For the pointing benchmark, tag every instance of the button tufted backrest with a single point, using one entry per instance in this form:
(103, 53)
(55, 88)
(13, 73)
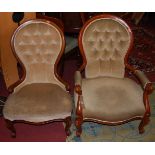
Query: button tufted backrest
(38, 44)
(105, 41)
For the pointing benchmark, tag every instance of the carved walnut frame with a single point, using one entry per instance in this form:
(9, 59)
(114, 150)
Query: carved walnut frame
(67, 120)
(148, 88)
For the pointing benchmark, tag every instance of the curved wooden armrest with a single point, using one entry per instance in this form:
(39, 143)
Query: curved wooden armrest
(140, 75)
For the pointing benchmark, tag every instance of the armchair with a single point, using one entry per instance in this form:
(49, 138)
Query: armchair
(104, 95)
(40, 96)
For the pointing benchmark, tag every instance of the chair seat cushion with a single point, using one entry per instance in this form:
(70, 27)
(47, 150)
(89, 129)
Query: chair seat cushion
(38, 102)
(112, 99)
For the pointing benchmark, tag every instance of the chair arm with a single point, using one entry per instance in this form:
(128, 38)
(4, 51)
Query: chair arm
(142, 77)
(78, 98)
(78, 82)
(78, 78)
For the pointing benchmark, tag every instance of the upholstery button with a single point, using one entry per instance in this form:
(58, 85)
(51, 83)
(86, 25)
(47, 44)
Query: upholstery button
(42, 42)
(118, 35)
(101, 43)
(106, 35)
(38, 46)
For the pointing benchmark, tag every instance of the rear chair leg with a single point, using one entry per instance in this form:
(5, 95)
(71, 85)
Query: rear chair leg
(68, 125)
(10, 126)
(143, 123)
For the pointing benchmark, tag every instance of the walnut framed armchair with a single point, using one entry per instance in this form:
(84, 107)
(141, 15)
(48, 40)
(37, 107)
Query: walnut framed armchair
(41, 96)
(104, 95)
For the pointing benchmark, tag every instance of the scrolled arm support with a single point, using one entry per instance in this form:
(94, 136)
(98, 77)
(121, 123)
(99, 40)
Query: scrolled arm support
(148, 90)
(146, 84)
(78, 91)
(140, 75)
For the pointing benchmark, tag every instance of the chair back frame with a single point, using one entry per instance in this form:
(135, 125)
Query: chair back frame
(67, 120)
(148, 90)
(12, 87)
(82, 67)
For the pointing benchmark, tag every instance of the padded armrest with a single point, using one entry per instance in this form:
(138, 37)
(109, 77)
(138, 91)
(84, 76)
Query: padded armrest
(78, 78)
(142, 77)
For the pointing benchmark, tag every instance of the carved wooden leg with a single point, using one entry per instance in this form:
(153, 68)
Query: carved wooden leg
(68, 125)
(10, 126)
(78, 124)
(143, 123)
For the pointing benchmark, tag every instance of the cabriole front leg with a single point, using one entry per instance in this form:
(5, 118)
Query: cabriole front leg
(10, 126)
(68, 125)
(148, 90)
(78, 124)
(143, 123)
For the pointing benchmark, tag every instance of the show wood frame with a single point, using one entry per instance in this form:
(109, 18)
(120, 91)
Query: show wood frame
(67, 120)
(147, 90)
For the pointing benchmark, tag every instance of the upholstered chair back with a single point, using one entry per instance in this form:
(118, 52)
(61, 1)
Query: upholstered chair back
(105, 41)
(38, 45)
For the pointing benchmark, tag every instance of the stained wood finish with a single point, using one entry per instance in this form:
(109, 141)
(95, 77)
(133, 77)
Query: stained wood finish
(146, 118)
(68, 125)
(10, 124)
(148, 89)
(57, 21)
(72, 21)
(79, 114)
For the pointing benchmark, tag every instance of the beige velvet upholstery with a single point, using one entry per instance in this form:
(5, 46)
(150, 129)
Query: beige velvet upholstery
(105, 42)
(41, 96)
(78, 78)
(142, 77)
(38, 102)
(38, 44)
(106, 96)
(112, 99)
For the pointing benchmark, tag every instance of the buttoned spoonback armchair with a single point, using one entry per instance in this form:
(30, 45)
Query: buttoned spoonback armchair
(104, 95)
(40, 96)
